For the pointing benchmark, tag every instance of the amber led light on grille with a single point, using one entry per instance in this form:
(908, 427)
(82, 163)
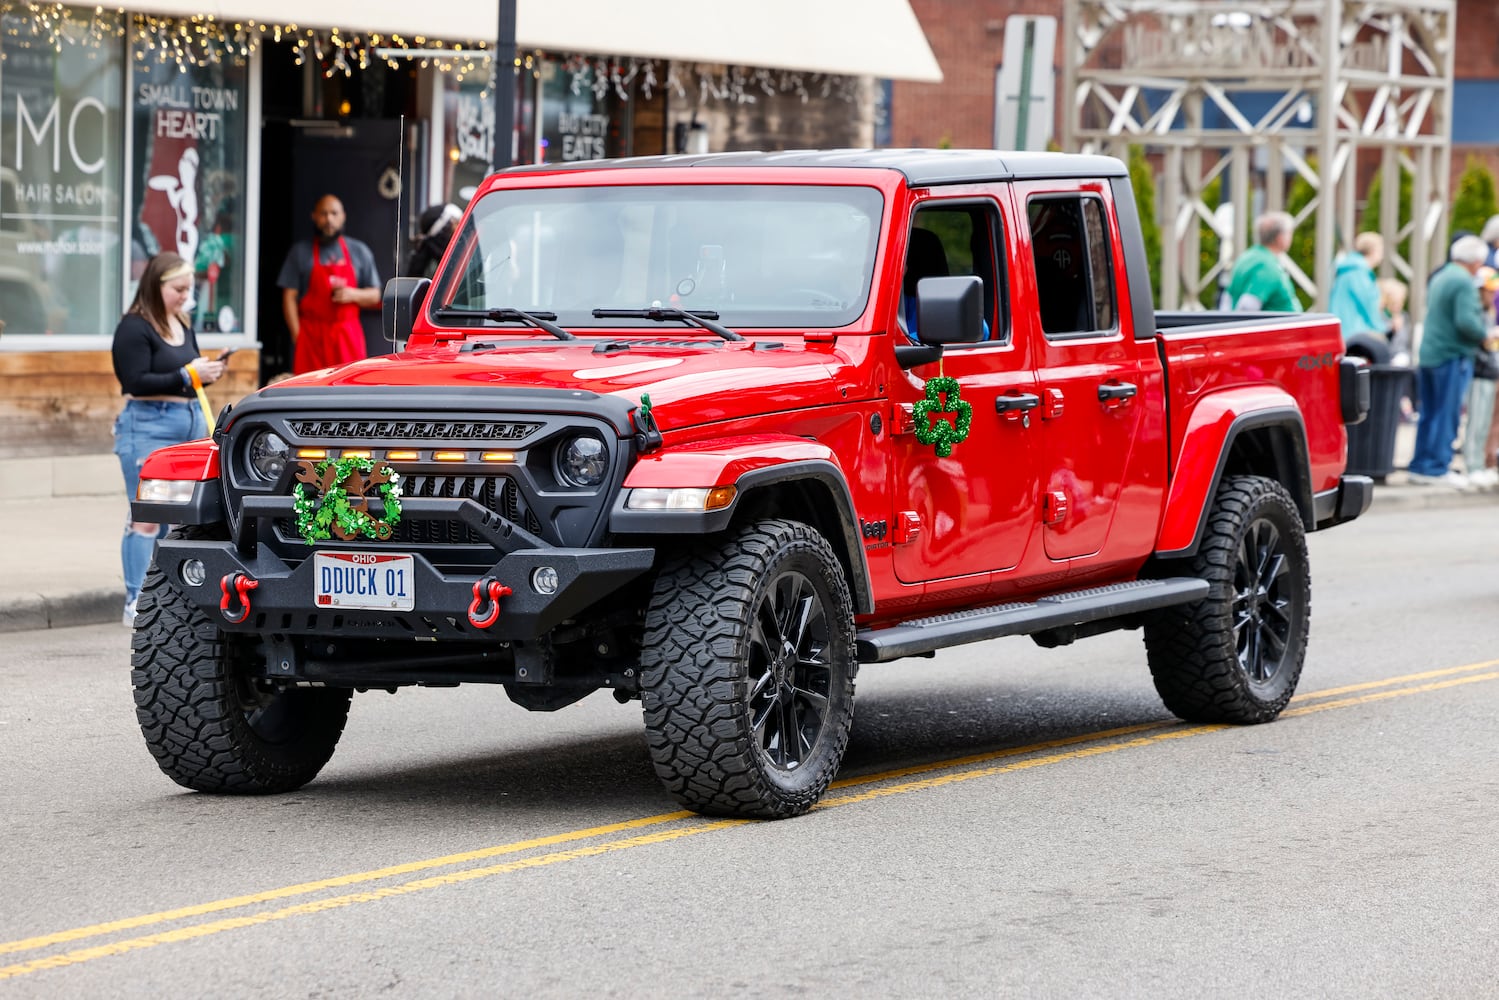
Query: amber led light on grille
(312, 452)
(354, 453)
(498, 456)
(450, 456)
(402, 456)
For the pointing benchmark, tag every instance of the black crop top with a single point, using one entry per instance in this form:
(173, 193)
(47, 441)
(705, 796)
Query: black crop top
(147, 365)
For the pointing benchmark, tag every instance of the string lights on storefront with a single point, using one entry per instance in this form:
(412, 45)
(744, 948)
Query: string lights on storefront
(202, 40)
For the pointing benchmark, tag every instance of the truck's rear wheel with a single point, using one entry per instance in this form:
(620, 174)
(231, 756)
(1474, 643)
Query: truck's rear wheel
(747, 672)
(1236, 655)
(209, 725)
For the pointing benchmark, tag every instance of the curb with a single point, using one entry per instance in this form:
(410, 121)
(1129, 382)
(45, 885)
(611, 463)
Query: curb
(87, 607)
(1409, 497)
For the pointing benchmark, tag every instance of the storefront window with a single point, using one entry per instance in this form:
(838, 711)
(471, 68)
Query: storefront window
(189, 130)
(592, 109)
(578, 120)
(61, 172)
(468, 129)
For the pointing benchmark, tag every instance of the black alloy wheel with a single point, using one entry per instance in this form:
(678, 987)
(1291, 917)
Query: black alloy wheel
(1262, 602)
(791, 671)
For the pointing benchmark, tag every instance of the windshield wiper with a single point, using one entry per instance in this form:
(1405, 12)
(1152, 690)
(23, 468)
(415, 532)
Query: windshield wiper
(540, 320)
(698, 317)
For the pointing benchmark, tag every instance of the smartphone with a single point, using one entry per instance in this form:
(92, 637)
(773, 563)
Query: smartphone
(227, 351)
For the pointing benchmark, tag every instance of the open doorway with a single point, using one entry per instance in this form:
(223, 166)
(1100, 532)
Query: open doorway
(339, 135)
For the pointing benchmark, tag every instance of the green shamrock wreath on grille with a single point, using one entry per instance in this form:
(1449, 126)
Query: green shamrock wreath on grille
(942, 434)
(345, 486)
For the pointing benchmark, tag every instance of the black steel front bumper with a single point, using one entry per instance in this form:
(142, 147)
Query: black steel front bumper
(280, 594)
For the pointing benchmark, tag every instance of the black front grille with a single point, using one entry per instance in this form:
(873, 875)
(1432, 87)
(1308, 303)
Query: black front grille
(508, 431)
(497, 493)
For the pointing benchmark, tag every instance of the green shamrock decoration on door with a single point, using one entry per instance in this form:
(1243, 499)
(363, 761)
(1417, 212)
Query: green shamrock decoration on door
(942, 397)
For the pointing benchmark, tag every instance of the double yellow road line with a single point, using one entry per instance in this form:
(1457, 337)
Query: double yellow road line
(848, 791)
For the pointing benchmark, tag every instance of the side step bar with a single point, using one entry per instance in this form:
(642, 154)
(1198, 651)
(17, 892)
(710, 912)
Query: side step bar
(924, 635)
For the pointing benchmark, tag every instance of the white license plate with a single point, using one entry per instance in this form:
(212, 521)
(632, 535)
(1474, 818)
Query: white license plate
(368, 581)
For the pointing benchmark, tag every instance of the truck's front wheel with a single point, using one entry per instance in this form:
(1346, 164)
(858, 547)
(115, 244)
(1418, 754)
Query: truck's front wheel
(1235, 656)
(208, 723)
(747, 672)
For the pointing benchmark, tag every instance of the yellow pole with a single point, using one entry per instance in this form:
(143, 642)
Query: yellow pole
(192, 371)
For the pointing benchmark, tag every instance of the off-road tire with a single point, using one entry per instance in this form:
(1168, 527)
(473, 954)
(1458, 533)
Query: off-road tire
(714, 701)
(208, 726)
(1236, 655)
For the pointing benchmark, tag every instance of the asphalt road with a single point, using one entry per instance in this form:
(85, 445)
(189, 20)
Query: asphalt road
(1010, 821)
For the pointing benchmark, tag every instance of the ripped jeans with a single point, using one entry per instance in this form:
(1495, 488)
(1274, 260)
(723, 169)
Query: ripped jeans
(141, 428)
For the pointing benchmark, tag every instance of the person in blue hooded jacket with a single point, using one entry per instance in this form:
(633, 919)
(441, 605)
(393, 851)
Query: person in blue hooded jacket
(1354, 298)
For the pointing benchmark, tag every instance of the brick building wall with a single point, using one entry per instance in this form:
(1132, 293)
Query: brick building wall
(967, 37)
(1476, 68)
(1477, 40)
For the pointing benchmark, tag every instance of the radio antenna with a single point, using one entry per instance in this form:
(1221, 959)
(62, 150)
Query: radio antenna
(395, 264)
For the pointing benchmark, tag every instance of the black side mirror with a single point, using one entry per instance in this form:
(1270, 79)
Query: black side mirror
(950, 310)
(401, 302)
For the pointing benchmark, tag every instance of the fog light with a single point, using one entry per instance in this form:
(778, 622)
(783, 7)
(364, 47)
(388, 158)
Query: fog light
(193, 572)
(544, 580)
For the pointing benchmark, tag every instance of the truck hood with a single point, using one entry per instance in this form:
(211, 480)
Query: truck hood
(689, 382)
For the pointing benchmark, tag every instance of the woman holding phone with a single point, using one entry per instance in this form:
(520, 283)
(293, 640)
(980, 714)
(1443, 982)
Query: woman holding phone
(156, 360)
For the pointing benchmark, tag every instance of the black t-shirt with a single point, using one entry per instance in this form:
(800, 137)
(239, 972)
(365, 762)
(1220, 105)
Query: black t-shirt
(147, 365)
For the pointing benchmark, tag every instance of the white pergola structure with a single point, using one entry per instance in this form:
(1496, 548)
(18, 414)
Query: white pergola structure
(1323, 81)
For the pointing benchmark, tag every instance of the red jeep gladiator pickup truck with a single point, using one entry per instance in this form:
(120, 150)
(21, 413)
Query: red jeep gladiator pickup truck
(712, 431)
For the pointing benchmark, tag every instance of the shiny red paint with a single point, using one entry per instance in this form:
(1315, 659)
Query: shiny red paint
(1205, 439)
(197, 461)
(723, 461)
(1125, 479)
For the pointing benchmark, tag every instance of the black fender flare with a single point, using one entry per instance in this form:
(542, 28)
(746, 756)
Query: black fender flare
(823, 474)
(1295, 470)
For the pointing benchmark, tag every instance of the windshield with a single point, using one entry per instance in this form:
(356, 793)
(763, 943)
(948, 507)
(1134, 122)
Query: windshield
(757, 255)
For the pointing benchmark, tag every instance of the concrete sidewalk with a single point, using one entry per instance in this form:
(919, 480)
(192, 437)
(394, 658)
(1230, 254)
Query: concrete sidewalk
(60, 561)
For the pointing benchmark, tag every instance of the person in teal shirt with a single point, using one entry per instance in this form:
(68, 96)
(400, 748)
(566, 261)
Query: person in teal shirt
(1260, 282)
(1354, 298)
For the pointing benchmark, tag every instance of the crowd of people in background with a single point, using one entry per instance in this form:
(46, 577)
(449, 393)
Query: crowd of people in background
(1457, 360)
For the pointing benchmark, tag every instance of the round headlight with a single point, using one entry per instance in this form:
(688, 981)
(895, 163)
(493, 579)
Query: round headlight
(267, 454)
(583, 461)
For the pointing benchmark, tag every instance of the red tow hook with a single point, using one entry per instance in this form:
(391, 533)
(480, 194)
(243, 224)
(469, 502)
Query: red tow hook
(493, 590)
(236, 584)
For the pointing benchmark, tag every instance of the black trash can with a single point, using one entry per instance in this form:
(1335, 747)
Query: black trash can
(1371, 442)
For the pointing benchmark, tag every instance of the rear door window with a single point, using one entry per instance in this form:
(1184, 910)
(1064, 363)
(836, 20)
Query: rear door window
(1072, 253)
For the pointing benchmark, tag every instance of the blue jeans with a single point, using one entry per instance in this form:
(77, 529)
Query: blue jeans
(141, 428)
(1441, 388)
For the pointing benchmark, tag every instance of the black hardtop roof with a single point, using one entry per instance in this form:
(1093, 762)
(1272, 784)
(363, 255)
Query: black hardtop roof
(921, 167)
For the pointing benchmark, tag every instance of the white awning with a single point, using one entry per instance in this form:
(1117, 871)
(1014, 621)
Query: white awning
(880, 38)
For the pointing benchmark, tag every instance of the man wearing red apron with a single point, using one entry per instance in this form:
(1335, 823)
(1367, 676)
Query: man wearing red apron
(325, 282)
